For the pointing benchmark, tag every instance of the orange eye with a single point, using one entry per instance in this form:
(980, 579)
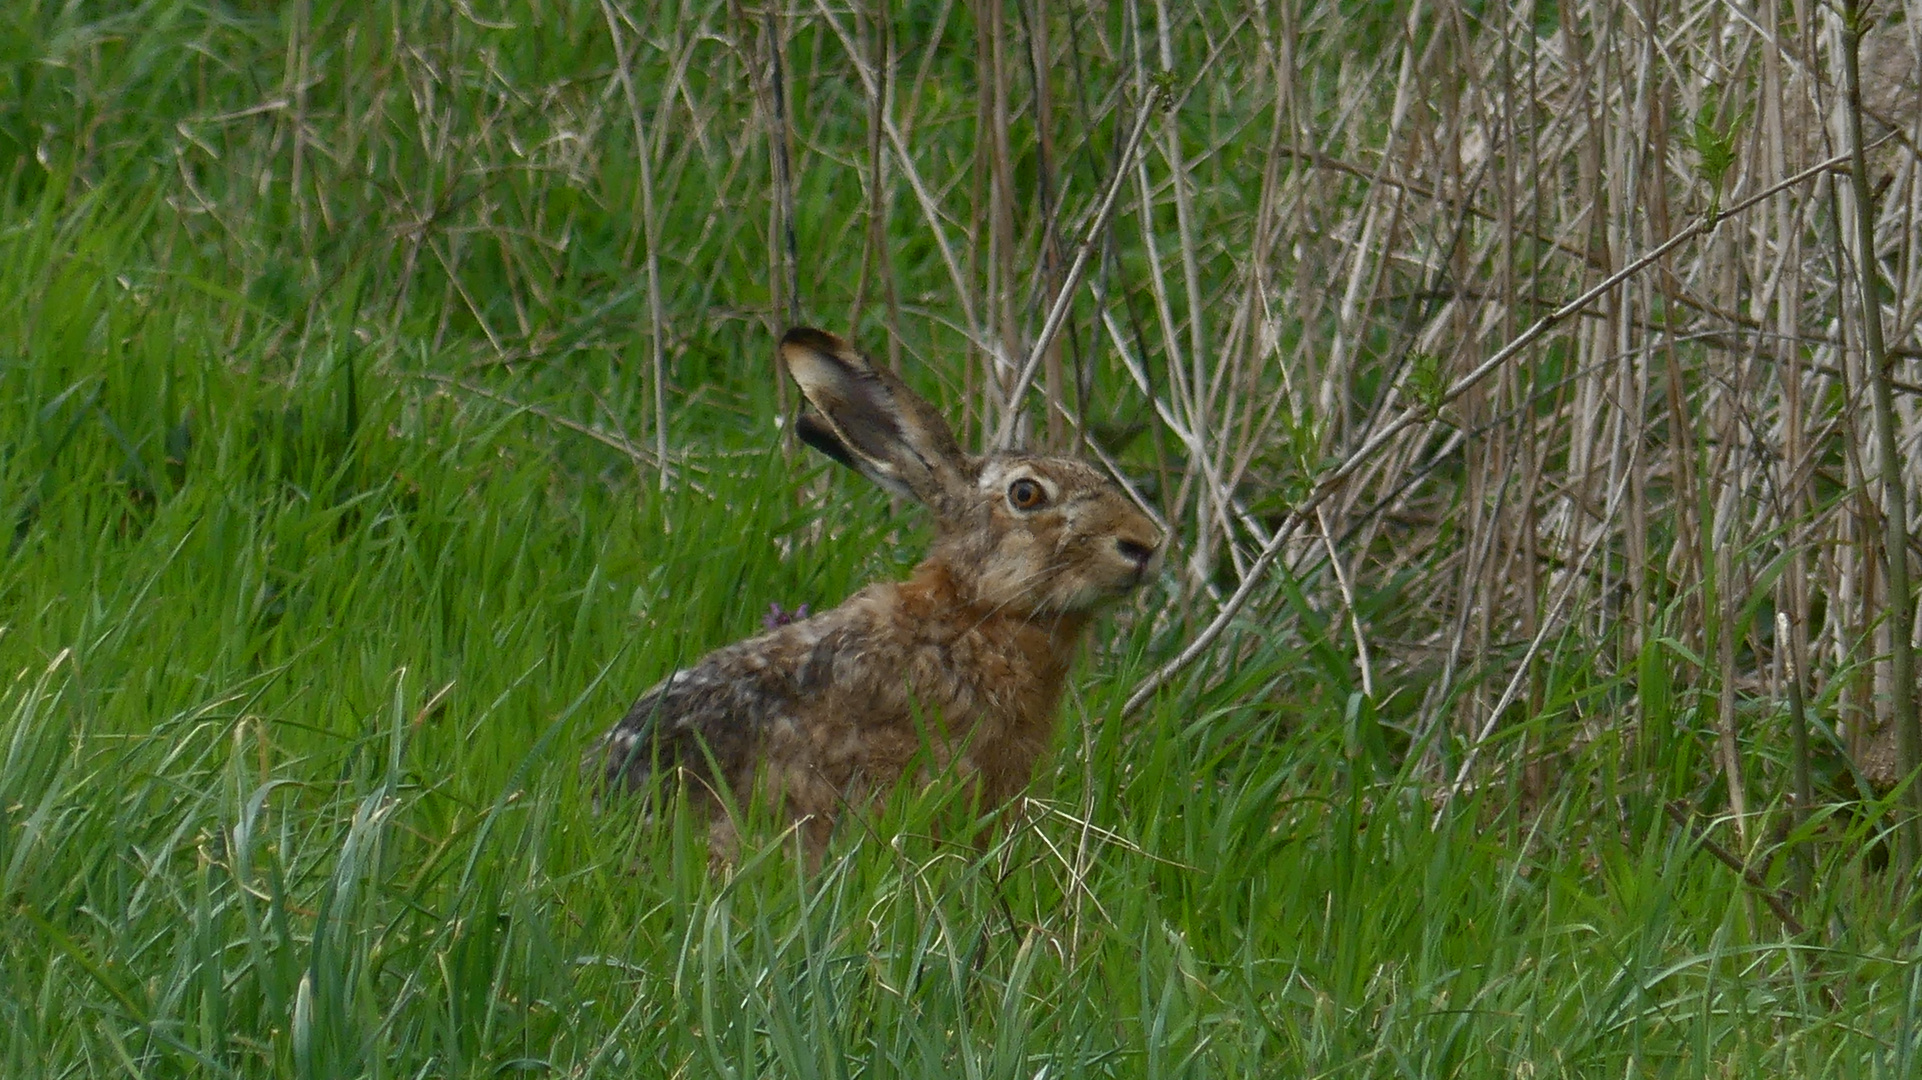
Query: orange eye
(1025, 494)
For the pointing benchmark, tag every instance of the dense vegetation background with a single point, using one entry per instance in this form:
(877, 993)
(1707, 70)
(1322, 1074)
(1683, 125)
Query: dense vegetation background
(387, 397)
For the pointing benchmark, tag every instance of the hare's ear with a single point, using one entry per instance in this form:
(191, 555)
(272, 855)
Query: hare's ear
(867, 419)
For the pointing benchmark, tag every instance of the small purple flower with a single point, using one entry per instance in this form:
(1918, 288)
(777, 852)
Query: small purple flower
(776, 618)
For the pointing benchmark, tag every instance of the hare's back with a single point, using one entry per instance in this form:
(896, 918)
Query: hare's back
(712, 721)
(708, 721)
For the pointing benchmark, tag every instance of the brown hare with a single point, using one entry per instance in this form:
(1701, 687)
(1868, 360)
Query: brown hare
(963, 662)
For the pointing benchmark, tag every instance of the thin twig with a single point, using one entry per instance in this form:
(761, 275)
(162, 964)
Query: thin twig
(657, 361)
(1058, 312)
(1348, 599)
(1777, 902)
(1895, 498)
(639, 455)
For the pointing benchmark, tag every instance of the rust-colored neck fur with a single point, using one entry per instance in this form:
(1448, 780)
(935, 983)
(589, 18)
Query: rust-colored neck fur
(935, 594)
(1009, 668)
(1016, 661)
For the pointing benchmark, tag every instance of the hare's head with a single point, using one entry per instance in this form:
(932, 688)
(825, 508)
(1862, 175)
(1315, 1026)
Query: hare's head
(1023, 533)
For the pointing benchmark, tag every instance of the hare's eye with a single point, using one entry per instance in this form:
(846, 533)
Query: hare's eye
(1025, 494)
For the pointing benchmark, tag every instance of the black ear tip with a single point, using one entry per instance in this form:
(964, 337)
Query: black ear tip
(808, 337)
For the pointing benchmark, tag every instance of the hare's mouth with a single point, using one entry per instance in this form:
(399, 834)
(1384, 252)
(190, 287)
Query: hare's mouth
(1137, 577)
(1099, 590)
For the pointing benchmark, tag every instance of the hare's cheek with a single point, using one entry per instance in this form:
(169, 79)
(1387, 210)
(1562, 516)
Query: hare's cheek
(1021, 548)
(998, 579)
(1082, 594)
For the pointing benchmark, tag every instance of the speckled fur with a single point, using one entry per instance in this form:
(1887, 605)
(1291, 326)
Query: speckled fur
(961, 666)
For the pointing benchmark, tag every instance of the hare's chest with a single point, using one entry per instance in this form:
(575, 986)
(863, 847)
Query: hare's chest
(987, 685)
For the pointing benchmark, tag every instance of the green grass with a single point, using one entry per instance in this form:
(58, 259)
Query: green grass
(299, 650)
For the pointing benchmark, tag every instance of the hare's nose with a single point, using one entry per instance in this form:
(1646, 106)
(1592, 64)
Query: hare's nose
(1135, 552)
